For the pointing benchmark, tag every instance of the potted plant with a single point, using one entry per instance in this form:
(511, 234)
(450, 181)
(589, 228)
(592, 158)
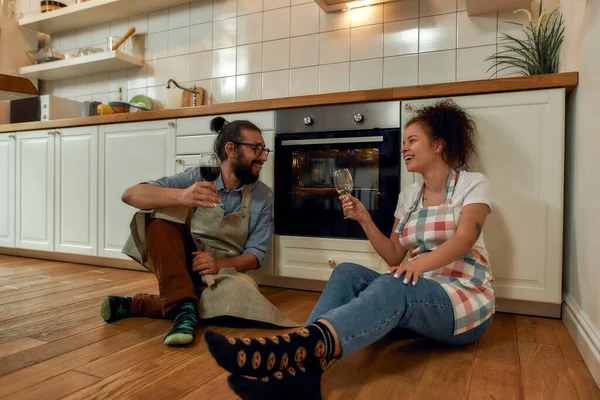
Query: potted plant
(539, 51)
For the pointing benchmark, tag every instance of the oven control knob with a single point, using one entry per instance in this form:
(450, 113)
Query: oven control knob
(331, 262)
(308, 121)
(358, 117)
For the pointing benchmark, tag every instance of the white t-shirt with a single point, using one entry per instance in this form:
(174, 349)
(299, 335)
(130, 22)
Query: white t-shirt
(471, 187)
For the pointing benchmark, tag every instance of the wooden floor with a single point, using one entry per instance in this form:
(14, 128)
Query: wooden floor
(54, 344)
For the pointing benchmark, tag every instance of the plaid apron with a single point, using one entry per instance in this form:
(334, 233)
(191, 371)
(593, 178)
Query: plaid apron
(466, 280)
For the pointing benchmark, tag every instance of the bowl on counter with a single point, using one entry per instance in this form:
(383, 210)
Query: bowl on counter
(43, 55)
(51, 5)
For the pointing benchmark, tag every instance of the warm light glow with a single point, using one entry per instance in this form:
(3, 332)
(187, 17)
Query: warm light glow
(359, 3)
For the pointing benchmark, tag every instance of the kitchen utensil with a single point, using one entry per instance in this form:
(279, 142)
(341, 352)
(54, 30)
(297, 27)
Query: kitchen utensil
(44, 55)
(90, 108)
(84, 51)
(50, 5)
(130, 32)
(140, 103)
(187, 97)
(119, 107)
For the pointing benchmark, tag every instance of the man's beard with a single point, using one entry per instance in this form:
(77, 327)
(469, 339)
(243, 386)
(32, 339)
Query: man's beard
(243, 171)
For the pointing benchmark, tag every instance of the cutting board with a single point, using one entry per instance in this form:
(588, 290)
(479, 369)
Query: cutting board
(186, 97)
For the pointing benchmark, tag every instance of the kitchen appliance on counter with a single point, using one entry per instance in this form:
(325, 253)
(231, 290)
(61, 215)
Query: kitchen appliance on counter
(311, 143)
(44, 108)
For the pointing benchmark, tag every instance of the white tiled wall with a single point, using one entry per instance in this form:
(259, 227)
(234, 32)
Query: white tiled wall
(251, 49)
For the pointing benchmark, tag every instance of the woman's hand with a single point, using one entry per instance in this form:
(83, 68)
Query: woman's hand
(354, 209)
(412, 270)
(204, 263)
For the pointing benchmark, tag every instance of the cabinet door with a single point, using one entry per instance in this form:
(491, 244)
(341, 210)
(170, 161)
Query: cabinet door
(76, 186)
(35, 190)
(520, 142)
(129, 154)
(7, 190)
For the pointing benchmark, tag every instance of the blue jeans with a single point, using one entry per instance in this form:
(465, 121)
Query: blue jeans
(363, 306)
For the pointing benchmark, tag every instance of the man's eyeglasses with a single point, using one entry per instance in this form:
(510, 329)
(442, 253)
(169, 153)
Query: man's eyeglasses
(258, 148)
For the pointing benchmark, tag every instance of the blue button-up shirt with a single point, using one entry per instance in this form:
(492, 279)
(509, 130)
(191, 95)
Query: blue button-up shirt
(260, 225)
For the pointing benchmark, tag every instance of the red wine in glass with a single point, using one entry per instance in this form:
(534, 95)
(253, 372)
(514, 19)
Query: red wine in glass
(210, 173)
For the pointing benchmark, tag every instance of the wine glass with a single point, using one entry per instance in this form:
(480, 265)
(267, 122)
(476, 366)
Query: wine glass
(210, 168)
(342, 180)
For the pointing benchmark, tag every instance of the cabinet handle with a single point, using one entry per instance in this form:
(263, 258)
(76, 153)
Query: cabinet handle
(331, 262)
(171, 124)
(178, 160)
(408, 106)
(51, 133)
(12, 136)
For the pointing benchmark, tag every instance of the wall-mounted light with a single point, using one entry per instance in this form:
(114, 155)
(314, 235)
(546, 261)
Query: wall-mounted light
(339, 5)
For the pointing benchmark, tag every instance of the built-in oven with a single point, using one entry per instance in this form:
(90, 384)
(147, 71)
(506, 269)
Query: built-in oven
(312, 143)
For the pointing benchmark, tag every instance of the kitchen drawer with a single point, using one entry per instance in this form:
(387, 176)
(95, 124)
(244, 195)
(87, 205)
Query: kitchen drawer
(265, 121)
(199, 144)
(315, 258)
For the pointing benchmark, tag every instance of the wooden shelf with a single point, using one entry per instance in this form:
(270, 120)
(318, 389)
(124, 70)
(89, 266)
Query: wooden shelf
(80, 66)
(93, 12)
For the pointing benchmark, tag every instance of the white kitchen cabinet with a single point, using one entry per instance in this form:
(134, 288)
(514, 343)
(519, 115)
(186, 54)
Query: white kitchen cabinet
(35, 190)
(520, 142)
(76, 190)
(7, 189)
(129, 154)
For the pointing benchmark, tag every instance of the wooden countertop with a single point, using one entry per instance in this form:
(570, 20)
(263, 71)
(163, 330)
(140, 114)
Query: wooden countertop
(568, 80)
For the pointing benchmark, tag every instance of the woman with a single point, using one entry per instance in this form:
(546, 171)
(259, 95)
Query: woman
(443, 292)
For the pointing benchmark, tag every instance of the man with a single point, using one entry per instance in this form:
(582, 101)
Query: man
(228, 224)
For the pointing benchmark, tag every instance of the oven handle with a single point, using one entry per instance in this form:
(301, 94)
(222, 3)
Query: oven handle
(305, 142)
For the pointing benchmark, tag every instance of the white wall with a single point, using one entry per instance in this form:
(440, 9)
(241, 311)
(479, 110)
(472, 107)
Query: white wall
(252, 49)
(582, 181)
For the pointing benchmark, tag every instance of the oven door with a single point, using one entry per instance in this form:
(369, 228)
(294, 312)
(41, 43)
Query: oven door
(306, 202)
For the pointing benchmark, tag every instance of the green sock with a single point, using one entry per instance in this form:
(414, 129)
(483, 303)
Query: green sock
(114, 308)
(184, 328)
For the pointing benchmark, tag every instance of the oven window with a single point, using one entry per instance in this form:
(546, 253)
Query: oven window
(312, 204)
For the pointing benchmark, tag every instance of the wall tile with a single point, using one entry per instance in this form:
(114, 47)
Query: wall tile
(471, 63)
(276, 55)
(505, 25)
(334, 21)
(140, 22)
(201, 65)
(249, 7)
(179, 42)
(158, 21)
(223, 9)
(367, 74)
(367, 15)
(305, 19)
(401, 71)
(401, 37)
(224, 62)
(159, 94)
(84, 37)
(118, 79)
(366, 42)
(157, 72)
(437, 67)
(272, 4)
(434, 7)
(334, 46)
(101, 33)
(179, 17)
(249, 29)
(296, 2)
(201, 12)
(178, 68)
(100, 82)
(275, 84)
(224, 33)
(249, 58)
(248, 87)
(207, 86)
(119, 27)
(461, 5)
(83, 86)
(223, 90)
(201, 37)
(334, 78)
(304, 51)
(437, 33)
(158, 45)
(276, 24)
(116, 96)
(304, 81)
(399, 10)
(476, 30)
(136, 78)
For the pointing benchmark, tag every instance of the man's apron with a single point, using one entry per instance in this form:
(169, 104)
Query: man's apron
(229, 292)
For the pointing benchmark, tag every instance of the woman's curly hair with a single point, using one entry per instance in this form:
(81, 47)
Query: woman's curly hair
(446, 120)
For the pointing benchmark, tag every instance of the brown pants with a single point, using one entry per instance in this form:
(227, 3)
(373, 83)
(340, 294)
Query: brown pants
(170, 248)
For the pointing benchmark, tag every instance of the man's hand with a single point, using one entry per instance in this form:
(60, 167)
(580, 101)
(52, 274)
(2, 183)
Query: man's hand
(412, 270)
(204, 263)
(200, 194)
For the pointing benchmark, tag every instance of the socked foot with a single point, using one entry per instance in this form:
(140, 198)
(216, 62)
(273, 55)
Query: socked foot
(114, 308)
(183, 331)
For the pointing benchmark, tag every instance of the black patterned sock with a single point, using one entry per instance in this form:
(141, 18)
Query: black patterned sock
(184, 328)
(299, 381)
(262, 356)
(114, 308)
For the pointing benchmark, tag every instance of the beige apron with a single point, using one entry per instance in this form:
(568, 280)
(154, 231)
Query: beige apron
(229, 292)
